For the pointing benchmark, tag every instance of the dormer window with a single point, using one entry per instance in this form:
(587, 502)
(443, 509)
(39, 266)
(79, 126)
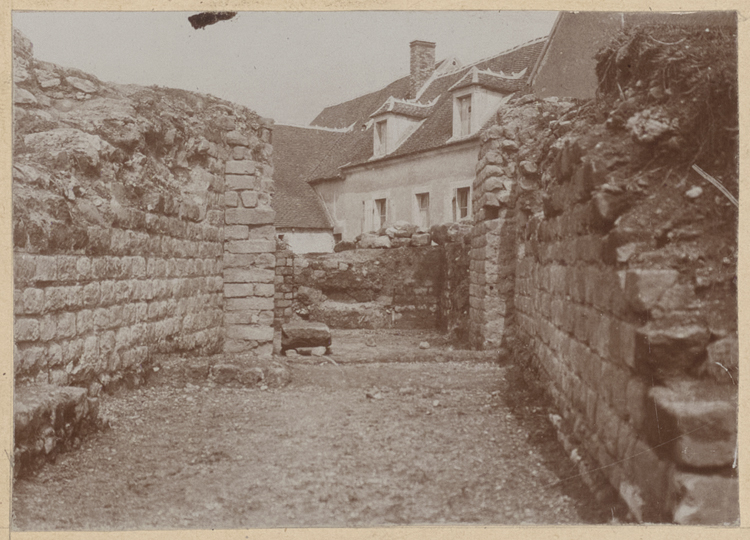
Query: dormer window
(381, 138)
(393, 123)
(464, 115)
(476, 97)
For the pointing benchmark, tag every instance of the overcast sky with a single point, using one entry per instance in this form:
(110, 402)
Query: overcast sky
(285, 65)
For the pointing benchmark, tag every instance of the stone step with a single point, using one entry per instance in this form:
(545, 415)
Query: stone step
(48, 420)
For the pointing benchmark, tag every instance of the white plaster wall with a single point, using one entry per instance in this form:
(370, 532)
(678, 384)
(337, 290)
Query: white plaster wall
(440, 172)
(308, 241)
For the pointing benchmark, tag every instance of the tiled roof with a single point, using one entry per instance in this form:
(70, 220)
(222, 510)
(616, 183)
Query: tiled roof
(295, 201)
(345, 114)
(356, 146)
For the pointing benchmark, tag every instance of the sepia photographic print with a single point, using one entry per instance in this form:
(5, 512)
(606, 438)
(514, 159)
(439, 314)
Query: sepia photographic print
(356, 269)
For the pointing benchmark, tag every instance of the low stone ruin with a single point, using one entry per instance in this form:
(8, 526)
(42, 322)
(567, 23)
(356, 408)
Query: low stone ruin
(305, 338)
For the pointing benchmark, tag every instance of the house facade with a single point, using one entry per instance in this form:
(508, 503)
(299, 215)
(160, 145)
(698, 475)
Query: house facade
(408, 152)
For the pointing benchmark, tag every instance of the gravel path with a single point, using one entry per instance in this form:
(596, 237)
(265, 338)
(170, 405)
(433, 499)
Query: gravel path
(350, 445)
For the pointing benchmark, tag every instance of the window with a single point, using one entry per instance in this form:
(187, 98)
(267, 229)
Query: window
(423, 205)
(464, 115)
(461, 203)
(380, 215)
(381, 138)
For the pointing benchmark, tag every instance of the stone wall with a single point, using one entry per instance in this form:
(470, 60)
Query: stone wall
(616, 290)
(250, 243)
(454, 241)
(122, 247)
(363, 288)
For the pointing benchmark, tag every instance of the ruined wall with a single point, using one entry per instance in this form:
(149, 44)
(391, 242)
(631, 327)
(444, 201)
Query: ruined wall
(363, 288)
(613, 265)
(249, 259)
(118, 223)
(613, 270)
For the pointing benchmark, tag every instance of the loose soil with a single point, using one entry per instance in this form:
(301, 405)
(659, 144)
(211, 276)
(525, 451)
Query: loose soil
(344, 445)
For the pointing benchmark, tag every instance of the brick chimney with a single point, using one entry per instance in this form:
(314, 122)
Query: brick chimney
(422, 65)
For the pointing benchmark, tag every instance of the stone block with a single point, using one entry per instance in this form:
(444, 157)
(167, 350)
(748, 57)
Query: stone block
(24, 268)
(250, 216)
(236, 232)
(33, 301)
(722, 362)
(66, 325)
(262, 232)
(697, 421)
(249, 199)
(239, 182)
(245, 167)
(666, 350)
(238, 290)
(242, 304)
(45, 268)
(232, 198)
(304, 334)
(644, 287)
(248, 275)
(704, 499)
(236, 138)
(421, 239)
(84, 321)
(249, 333)
(26, 330)
(47, 328)
(264, 289)
(249, 246)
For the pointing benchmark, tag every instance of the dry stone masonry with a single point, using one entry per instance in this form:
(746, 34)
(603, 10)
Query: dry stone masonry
(249, 245)
(142, 225)
(614, 284)
(361, 288)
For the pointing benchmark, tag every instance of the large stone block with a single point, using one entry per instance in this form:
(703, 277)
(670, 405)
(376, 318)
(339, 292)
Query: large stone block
(669, 350)
(644, 288)
(240, 167)
(26, 329)
(45, 269)
(249, 246)
(250, 216)
(248, 275)
(722, 363)
(239, 182)
(241, 304)
(304, 334)
(250, 333)
(699, 499)
(238, 290)
(697, 421)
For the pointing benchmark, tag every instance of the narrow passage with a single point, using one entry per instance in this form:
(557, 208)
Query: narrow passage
(345, 445)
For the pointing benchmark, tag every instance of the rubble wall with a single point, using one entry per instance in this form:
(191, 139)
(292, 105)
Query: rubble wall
(615, 287)
(453, 300)
(121, 243)
(361, 288)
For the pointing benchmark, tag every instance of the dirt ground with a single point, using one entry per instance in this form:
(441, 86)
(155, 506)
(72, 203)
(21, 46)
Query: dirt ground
(357, 444)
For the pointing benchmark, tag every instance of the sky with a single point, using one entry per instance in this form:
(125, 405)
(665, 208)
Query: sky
(284, 65)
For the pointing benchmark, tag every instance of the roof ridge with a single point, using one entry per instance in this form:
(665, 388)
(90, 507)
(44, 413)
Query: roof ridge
(320, 128)
(485, 59)
(362, 95)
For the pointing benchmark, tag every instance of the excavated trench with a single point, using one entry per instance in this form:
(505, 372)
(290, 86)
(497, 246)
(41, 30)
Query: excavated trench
(368, 436)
